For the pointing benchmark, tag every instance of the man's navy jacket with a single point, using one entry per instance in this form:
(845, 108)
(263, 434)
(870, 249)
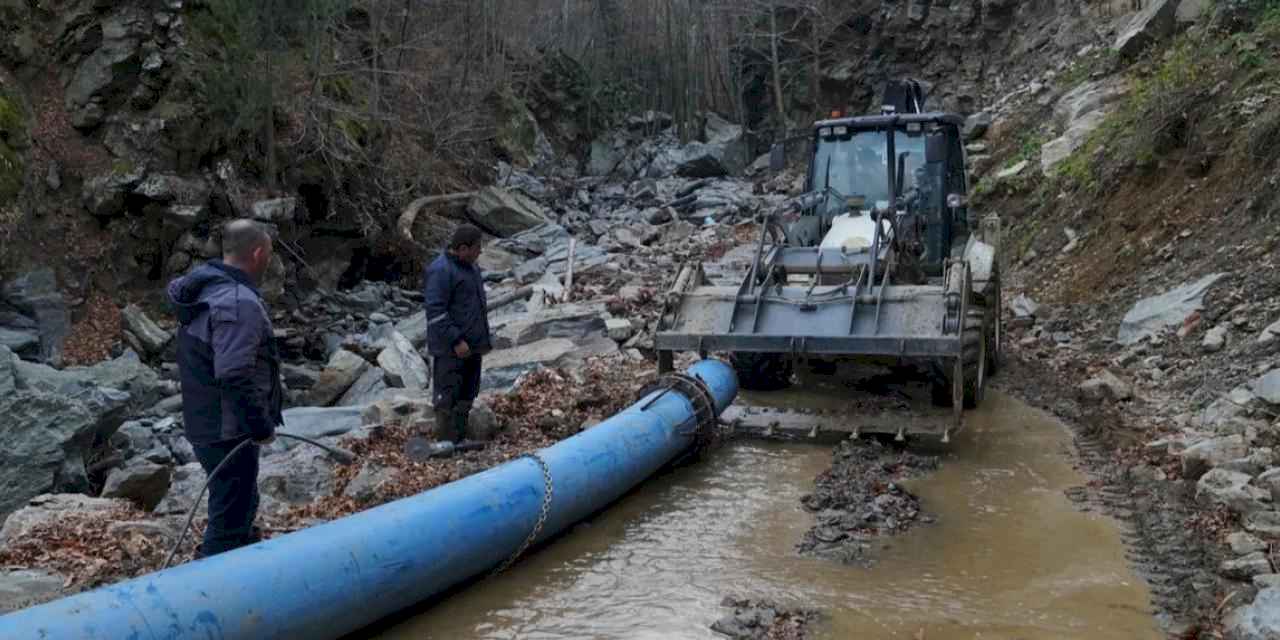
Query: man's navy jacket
(227, 356)
(455, 302)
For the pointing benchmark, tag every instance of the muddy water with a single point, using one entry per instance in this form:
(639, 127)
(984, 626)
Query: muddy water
(1009, 556)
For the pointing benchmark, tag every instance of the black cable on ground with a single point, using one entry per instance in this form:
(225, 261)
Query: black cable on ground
(341, 455)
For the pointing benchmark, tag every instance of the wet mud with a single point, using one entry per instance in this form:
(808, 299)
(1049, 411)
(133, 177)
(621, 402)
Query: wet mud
(861, 498)
(763, 620)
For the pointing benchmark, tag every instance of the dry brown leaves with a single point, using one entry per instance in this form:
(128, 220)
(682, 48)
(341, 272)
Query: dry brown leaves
(93, 337)
(79, 546)
(547, 407)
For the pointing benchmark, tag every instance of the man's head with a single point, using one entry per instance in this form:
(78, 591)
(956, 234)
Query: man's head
(465, 243)
(246, 245)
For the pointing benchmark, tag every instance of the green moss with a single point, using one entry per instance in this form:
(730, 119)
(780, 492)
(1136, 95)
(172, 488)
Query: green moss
(517, 131)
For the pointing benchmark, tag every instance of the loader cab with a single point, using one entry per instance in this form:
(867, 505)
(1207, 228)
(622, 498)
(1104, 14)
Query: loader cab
(910, 163)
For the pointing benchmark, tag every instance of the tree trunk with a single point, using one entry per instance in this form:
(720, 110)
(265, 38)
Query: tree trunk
(776, 62)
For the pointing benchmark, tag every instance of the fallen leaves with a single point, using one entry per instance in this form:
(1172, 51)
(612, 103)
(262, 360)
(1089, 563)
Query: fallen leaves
(93, 337)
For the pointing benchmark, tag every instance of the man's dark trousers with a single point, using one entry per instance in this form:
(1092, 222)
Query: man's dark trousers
(456, 383)
(233, 496)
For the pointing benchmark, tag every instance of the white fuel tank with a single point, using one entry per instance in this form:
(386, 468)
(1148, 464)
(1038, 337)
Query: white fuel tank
(852, 232)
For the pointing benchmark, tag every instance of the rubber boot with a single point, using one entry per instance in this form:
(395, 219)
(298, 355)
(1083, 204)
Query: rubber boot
(444, 425)
(460, 415)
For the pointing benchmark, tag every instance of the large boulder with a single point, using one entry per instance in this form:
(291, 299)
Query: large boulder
(320, 422)
(1150, 316)
(404, 367)
(295, 477)
(365, 390)
(504, 213)
(342, 371)
(36, 295)
(24, 342)
(1214, 452)
(503, 367)
(1154, 23)
(1231, 489)
(43, 446)
(104, 77)
(104, 195)
(1257, 621)
(142, 482)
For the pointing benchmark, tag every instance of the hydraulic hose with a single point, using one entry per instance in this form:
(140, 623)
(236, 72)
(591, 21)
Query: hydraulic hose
(341, 455)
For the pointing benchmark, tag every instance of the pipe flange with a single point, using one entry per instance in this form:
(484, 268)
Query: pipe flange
(703, 424)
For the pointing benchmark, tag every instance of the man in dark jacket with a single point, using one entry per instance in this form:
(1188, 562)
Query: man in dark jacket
(457, 331)
(230, 369)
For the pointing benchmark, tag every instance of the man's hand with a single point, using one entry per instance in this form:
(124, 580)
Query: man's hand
(462, 349)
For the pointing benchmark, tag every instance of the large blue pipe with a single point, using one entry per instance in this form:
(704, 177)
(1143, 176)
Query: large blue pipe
(332, 579)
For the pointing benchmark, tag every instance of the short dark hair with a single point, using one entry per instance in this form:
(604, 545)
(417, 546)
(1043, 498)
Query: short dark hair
(466, 235)
(241, 236)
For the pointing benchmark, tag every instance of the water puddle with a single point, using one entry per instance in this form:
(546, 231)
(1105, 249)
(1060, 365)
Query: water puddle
(1009, 556)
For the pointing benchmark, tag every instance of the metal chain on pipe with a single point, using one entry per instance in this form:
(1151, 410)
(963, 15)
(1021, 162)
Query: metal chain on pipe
(547, 491)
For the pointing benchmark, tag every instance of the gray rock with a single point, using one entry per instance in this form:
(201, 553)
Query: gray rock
(574, 321)
(20, 588)
(504, 366)
(482, 425)
(1257, 621)
(1105, 386)
(44, 444)
(1269, 334)
(396, 406)
(299, 377)
(181, 448)
(414, 329)
(1214, 452)
(173, 189)
(1266, 581)
(403, 366)
(276, 210)
(144, 483)
(320, 422)
(1232, 490)
(48, 508)
(366, 390)
(1267, 387)
(1266, 523)
(1152, 315)
(976, 125)
(504, 213)
(1024, 307)
(135, 438)
(1013, 171)
(168, 407)
(1215, 339)
(104, 196)
(36, 295)
(1245, 568)
(1243, 543)
(1154, 23)
(183, 490)
(20, 341)
(295, 477)
(364, 487)
(342, 371)
(1270, 480)
(619, 329)
(109, 70)
(150, 336)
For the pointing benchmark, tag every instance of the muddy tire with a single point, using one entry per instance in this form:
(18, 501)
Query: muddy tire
(761, 371)
(975, 358)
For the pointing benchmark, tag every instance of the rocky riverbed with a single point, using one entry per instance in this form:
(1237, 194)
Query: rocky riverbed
(98, 476)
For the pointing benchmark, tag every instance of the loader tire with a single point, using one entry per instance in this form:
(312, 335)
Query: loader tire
(975, 358)
(761, 371)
